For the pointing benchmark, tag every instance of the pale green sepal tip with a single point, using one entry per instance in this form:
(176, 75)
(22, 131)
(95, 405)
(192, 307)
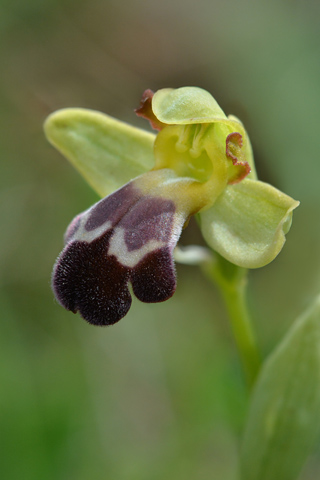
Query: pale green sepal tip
(186, 105)
(248, 222)
(283, 423)
(107, 152)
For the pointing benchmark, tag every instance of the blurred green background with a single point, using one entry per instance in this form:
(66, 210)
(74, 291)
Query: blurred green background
(160, 395)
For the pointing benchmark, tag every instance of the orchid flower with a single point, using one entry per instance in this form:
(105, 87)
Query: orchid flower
(200, 162)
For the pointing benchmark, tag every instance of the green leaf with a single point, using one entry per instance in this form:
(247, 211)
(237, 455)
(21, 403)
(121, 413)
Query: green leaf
(108, 153)
(284, 416)
(186, 105)
(248, 222)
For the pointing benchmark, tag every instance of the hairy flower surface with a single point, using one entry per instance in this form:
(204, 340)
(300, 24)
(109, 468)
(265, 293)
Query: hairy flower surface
(200, 162)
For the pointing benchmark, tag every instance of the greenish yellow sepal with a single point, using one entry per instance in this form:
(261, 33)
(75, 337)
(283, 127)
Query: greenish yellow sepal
(284, 416)
(248, 222)
(185, 105)
(108, 153)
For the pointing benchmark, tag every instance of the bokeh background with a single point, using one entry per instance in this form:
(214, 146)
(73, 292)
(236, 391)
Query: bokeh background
(160, 395)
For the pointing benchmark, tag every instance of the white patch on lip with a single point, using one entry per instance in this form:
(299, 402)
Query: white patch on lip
(83, 235)
(119, 249)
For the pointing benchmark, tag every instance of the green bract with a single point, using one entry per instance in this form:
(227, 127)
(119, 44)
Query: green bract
(210, 155)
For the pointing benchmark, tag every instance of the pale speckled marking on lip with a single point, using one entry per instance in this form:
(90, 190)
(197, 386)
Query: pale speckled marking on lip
(130, 258)
(79, 232)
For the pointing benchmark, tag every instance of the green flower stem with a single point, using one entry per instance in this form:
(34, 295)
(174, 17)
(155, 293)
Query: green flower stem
(232, 283)
(235, 301)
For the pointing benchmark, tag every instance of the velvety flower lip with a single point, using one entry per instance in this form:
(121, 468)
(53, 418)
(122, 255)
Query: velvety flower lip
(126, 237)
(200, 162)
